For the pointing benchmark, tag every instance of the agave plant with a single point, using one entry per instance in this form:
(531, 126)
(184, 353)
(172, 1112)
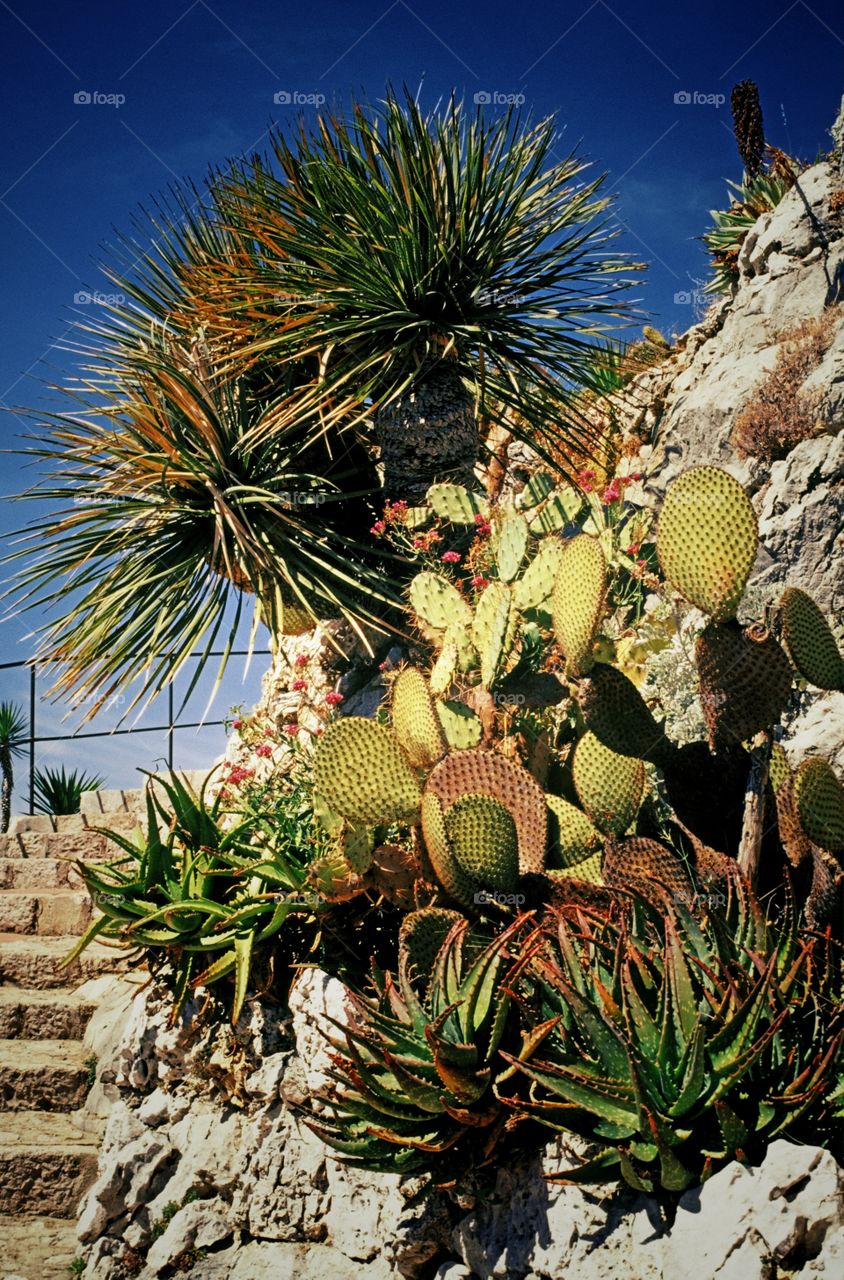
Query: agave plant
(13, 735)
(181, 480)
(443, 270)
(57, 791)
(749, 200)
(680, 1043)
(202, 890)
(415, 1063)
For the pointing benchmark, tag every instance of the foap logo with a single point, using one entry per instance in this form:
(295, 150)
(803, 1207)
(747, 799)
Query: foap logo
(87, 98)
(690, 298)
(87, 298)
(694, 98)
(296, 98)
(497, 98)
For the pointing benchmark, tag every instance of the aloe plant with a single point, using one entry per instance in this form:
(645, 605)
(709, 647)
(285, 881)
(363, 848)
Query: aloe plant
(202, 890)
(415, 1064)
(680, 1043)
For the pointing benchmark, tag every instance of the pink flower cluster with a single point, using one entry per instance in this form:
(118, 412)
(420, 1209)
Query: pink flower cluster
(612, 493)
(394, 513)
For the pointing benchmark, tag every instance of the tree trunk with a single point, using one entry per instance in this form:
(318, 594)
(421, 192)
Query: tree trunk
(429, 433)
(6, 787)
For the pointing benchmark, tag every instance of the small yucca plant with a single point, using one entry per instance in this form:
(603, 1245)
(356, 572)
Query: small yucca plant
(679, 1043)
(57, 791)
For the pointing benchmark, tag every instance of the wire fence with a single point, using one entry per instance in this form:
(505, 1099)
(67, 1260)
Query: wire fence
(32, 740)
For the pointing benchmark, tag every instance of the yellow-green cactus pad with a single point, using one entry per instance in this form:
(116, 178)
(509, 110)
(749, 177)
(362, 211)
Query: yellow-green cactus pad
(608, 785)
(363, 774)
(509, 545)
(617, 714)
(494, 630)
(745, 681)
(438, 602)
(536, 585)
(707, 539)
(455, 503)
(356, 845)
(819, 801)
(483, 839)
(577, 602)
(461, 726)
(572, 837)
(421, 935)
(809, 641)
(451, 875)
(589, 869)
(414, 719)
(488, 774)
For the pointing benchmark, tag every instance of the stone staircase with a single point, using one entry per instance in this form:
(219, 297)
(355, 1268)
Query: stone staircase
(46, 1160)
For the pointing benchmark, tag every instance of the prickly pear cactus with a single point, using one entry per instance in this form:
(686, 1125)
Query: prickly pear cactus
(615, 711)
(421, 936)
(495, 630)
(414, 719)
(819, 800)
(535, 586)
(509, 545)
(577, 603)
(438, 602)
(809, 641)
(707, 539)
(361, 771)
(573, 840)
(745, 681)
(489, 774)
(640, 862)
(482, 835)
(608, 785)
(461, 726)
(455, 503)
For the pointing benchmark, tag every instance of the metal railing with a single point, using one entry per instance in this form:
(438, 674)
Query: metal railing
(169, 728)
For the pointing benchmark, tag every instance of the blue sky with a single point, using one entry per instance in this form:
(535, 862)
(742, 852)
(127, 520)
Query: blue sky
(105, 104)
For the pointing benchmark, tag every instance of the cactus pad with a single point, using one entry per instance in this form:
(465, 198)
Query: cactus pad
(707, 539)
(608, 785)
(455, 503)
(453, 878)
(536, 490)
(461, 726)
(809, 641)
(589, 869)
(577, 603)
(572, 838)
(640, 862)
(617, 714)
(356, 845)
(793, 838)
(482, 835)
(536, 585)
(745, 681)
(488, 774)
(561, 510)
(438, 602)
(362, 773)
(819, 801)
(414, 719)
(494, 630)
(509, 545)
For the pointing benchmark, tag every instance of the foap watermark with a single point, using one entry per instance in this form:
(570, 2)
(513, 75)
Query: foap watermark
(94, 298)
(95, 98)
(694, 98)
(305, 499)
(691, 298)
(498, 98)
(298, 98)
(492, 897)
(701, 899)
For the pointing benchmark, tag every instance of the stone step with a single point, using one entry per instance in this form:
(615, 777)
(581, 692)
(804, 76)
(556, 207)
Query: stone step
(39, 873)
(48, 912)
(88, 844)
(34, 962)
(43, 1015)
(42, 1075)
(38, 1248)
(46, 1165)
